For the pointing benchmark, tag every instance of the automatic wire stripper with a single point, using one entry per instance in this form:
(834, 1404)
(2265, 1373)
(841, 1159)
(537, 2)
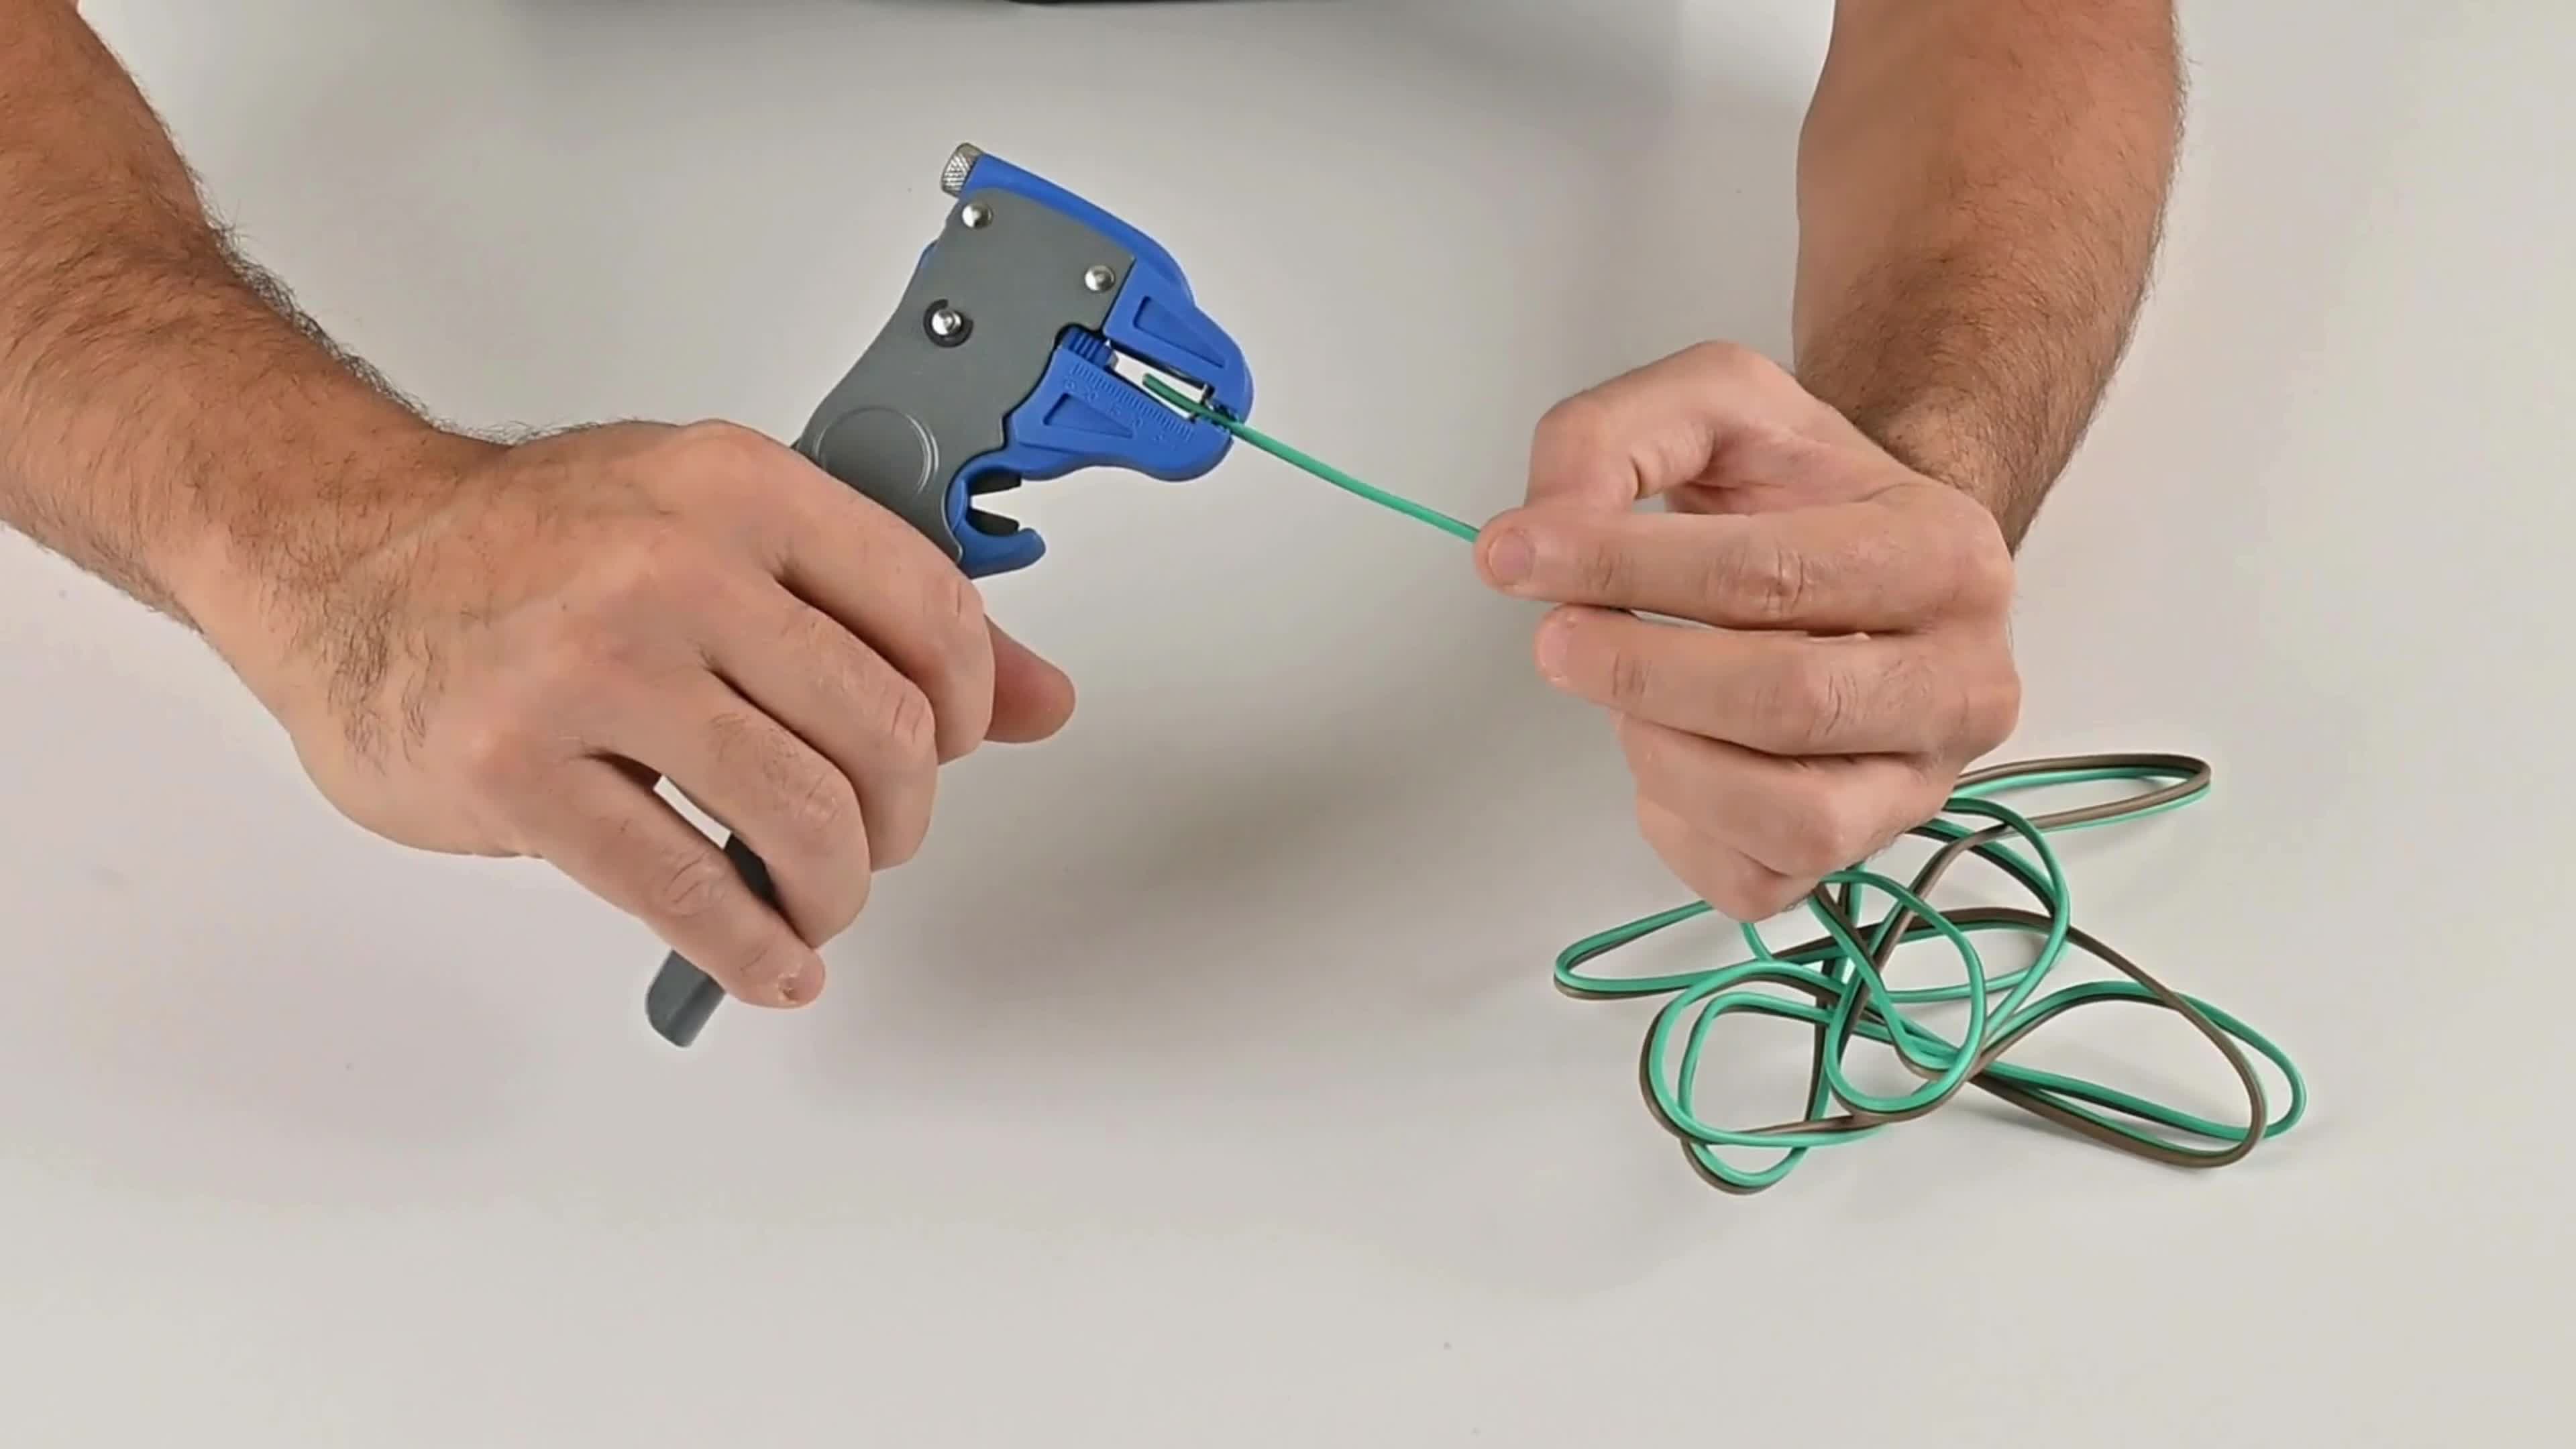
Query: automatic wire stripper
(1016, 354)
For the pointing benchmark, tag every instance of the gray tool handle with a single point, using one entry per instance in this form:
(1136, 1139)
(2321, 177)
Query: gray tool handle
(682, 997)
(967, 343)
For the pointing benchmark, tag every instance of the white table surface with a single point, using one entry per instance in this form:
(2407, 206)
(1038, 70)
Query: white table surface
(1202, 1084)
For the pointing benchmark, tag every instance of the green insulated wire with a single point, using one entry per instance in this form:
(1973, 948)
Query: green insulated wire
(1320, 469)
(1836, 984)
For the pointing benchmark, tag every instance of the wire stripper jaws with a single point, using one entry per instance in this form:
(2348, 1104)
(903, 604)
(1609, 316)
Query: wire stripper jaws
(1014, 356)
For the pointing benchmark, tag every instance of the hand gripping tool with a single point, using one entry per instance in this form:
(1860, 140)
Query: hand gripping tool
(1014, 356)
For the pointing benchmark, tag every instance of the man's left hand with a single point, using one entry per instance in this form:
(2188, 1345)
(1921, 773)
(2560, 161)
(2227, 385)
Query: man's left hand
(1843, 653)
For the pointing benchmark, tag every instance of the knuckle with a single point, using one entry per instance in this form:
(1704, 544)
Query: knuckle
(1837, 705)
(716, 446)
(1601, 568)
(810, 803)
(579, 654)
(850, 900)
(1733, 362)
(952, 664)
(1992, 710)
(1782, 581)
(2006, 704)
(733, 734)
(650, 569)
(961, 658)
(1718, 355)
(1927, 797)
(797, 796)
(1734, 883)
(956, 603)
(820, 643)
(1574, 423)
(1910, 692)
(1990, 574)
(1813, 706)
(903, 834)
(1809, 844)
(896, 835)
(909, 724)
(1771, 578)
(837, 666)
(1983, 568)
(821, 812)
(693, 886)
(498, 754)
(1642, 748)
(1627, 677)
(1830, 829)
(1965, 704)
(1750, 893)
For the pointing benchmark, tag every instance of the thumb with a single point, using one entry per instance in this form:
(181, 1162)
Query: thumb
(1716, 414)
(1032, 699)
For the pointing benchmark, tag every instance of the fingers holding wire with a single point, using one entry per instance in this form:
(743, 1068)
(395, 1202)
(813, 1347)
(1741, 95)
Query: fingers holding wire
(1801, 818)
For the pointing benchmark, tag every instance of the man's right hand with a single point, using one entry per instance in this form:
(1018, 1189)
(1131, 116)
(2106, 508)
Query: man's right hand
(500, 651)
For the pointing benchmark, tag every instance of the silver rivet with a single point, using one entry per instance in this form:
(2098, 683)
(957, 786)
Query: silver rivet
(947, 324)
(1099, 279)
(974, 214)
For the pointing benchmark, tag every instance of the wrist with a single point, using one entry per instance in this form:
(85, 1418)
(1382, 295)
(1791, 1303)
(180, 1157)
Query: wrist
(271, 549)
(1955, 446)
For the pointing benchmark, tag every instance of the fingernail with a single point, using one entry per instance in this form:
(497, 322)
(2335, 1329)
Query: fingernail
(1511, 556)
(797, 987)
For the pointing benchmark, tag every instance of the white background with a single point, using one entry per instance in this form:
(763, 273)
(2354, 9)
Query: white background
(1202, 1084)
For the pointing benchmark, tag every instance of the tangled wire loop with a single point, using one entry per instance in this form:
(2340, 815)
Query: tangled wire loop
(1838, 986)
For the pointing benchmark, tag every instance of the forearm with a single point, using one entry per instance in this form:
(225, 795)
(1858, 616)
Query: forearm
(1981, 184)
(160, 404)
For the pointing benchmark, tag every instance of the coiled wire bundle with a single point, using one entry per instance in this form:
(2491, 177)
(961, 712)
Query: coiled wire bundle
(1837, 982)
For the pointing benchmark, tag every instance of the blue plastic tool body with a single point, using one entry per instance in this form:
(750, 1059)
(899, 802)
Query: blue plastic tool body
(1081, 413)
